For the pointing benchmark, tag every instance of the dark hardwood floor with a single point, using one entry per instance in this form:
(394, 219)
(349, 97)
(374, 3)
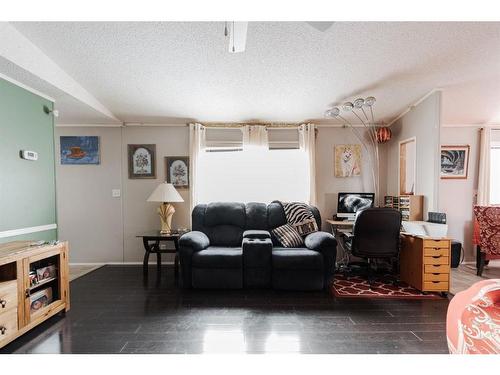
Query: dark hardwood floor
(113, 311)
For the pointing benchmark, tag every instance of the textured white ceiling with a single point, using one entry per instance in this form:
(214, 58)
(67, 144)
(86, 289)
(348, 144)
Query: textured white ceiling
(290, 71)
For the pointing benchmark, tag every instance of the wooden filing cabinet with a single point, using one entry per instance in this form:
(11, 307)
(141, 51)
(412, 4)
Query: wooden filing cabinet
(18, 292)
(425, 263)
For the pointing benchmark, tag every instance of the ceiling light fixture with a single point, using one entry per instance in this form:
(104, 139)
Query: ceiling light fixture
(370, 144)
(236, 35)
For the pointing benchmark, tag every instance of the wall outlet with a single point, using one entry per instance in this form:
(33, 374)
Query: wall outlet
(115, 193)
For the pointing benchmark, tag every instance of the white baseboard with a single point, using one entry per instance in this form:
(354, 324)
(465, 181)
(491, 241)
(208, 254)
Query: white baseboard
(117, 264)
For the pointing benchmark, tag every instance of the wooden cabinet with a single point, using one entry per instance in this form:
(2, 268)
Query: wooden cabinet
(34, 285)
(425, 263)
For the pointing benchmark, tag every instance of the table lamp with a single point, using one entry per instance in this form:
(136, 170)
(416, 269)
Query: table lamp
(166, 194)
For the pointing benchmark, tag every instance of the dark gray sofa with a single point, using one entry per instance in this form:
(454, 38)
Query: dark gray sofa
(231, 246)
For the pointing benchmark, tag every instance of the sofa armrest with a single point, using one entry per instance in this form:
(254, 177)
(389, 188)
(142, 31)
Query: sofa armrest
(320, 241)
(326, 244)
(253, 233)
(195, 240)
(190, 243)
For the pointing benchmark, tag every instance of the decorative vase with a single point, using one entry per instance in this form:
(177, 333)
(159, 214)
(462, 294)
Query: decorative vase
(166, 211)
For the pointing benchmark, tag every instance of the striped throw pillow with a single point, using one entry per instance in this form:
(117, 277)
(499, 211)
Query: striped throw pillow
(288, 236)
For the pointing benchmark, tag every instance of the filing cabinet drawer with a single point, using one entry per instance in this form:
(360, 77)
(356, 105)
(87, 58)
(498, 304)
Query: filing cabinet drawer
(436, 268)
(443, 244)
(8, 324)
(436, 251)
(436, 285)
(8, 295)
(437, 260)
(436, 276)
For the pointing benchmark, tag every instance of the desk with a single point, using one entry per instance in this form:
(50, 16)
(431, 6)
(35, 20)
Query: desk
(337, 224)
(339, 227)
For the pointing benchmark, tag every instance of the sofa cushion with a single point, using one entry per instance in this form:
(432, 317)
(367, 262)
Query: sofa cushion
(275, 215)
(288, 236)
(297, 258)
(225, 213)
(256, 216)
(218, 257)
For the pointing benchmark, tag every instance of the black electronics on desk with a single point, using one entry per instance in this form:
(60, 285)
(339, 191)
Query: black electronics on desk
(437, 217)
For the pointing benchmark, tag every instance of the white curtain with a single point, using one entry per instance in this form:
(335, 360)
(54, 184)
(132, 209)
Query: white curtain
(483, 186)
(196, 145)
(307, 139)
(254, 137)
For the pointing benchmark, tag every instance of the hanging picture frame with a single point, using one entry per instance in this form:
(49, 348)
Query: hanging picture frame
(347, 160)
(79, 150)
(141, 161)
(177, 171)
(455, 162)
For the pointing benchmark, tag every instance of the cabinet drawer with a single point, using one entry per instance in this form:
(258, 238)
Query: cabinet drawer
(443, 244)
(436, 276)
(436, 268)
(441, 286)
(437, 260)
(8, 295)
(8, 324)
(436, 251)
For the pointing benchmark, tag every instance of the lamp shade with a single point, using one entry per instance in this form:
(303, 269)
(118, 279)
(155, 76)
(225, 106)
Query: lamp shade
(165, 192)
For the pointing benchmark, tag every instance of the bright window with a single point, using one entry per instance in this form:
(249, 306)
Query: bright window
(495, 174)
(258, 175)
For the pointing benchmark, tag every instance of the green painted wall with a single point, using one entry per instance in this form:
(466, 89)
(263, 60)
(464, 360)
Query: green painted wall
(27, 188)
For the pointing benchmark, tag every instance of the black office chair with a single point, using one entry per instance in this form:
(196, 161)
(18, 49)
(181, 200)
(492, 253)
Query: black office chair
(375, 235)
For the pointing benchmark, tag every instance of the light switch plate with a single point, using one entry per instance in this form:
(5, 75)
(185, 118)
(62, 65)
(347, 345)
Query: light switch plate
(115, 193)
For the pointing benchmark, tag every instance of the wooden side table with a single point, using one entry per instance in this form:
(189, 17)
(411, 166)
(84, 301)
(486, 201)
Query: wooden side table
(151, 241)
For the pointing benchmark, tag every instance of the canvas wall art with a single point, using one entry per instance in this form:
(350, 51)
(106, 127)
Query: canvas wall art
(454, 161)
(178, 171)
(141, 161)
(79, 150)
(347, 160)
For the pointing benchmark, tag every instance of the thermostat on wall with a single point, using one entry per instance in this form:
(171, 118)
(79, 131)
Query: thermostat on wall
(29, 155)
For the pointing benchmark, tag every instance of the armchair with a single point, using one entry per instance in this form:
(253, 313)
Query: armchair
(488, 218)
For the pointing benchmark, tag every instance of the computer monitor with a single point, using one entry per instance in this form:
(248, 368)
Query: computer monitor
(350, 203)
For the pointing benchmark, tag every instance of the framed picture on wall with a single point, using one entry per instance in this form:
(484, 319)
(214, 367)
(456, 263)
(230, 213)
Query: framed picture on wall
(141, 161)
(347, 160)
(454, 161)
(79, 150)
(177, 171)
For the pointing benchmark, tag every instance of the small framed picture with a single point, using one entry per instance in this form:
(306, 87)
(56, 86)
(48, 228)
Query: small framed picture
(79, 150)
(177, 171)
(347, 160)
(141, 161)
(454, 161)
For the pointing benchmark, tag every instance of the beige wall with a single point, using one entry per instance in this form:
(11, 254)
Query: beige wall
(327, 185)
(457, 197)
(88, 216)
(101, 228)
(140, 216)
(423, 122)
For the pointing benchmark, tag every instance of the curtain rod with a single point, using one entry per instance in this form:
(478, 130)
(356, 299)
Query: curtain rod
(240, 125)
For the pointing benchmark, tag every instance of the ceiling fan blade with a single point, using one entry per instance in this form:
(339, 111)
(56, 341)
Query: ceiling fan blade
(320, 25)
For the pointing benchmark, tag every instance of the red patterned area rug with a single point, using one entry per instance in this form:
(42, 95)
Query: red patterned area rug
(357, 287)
